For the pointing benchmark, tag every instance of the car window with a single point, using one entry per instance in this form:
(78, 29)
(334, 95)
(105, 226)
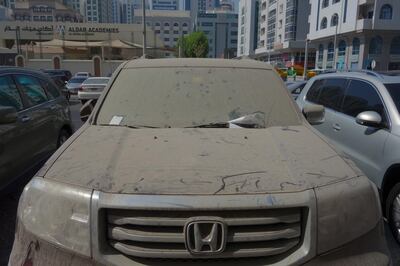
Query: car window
(9, 95)
(77, 80)
(394, 90)
(32, 89)
(332, 93)
(313, 92)
(96, 81)
(360, 97)
(52, 91)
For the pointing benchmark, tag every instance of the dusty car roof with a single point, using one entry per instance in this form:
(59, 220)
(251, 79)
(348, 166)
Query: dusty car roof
(196, 62)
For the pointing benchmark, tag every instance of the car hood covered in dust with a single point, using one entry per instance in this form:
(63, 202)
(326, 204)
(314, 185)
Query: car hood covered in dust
(198, 161)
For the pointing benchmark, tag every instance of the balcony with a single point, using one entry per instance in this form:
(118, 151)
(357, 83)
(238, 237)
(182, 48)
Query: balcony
(364, 24)
(364, 2)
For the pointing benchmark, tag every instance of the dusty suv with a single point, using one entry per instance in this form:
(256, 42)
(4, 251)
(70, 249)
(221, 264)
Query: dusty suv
(198, 161)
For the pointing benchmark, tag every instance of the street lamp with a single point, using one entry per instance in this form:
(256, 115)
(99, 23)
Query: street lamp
(144, 27)
(305, 60)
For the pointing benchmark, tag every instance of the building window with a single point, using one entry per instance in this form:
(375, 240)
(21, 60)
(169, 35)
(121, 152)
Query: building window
(335, 1)
(342, 48)
(320, 53)
(356, 46)
(386, 12)
(395, 46)
(176, 25)
(334, 20)
(375, 45)
(324, 23)
(331, 51)
(166, 25)
(325, 3)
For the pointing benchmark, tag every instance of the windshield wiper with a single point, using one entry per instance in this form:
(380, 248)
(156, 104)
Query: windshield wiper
(212, 125)
(129, 126)
(254, 120)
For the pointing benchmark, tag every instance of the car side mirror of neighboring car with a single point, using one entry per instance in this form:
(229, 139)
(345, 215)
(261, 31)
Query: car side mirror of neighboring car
(314, 113)
(369, 119)
(8, 115)
(86, 110)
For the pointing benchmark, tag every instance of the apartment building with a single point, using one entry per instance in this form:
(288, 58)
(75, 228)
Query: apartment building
(167, 25)
(283, 28)
(164, 4)
(45, 10)
(221, 29)
(351, 34)
(248, 27)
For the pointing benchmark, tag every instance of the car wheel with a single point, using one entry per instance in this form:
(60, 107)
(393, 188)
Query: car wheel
(62, 137)
(393, 211)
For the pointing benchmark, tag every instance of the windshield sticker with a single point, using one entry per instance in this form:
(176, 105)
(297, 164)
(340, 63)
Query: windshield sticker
(116, 120)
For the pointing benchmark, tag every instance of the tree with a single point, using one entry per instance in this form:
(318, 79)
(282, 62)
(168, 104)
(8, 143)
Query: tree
(194, 45)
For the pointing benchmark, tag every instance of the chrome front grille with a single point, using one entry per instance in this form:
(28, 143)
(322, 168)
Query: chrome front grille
(160, 234)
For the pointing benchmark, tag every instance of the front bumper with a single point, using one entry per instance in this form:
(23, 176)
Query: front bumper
(369, 249)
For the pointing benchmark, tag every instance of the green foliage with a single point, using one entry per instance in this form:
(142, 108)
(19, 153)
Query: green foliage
(194, 45)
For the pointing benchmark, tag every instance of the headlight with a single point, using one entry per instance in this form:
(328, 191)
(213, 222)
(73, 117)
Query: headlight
(57, 213)
(346, 211)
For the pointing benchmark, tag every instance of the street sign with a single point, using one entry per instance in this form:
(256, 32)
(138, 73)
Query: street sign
(373, 64)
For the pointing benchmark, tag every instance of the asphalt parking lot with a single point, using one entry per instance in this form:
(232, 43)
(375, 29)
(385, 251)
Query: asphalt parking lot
(8, 209)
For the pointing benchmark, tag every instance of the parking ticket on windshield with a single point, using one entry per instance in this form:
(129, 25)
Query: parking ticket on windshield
(116, 120)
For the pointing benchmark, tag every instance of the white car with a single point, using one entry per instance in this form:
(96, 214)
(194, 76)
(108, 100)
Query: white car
(92, 88)
(83, 74)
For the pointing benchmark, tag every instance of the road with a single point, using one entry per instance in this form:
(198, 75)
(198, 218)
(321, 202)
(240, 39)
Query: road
(8, 208)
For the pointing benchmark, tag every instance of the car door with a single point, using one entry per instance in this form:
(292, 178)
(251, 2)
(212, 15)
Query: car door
(58, 108)
(329, 93)
(39, 115)
(15, 152)
(363, 144)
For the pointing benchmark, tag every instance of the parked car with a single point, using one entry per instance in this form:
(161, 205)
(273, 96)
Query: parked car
(92, 88)
(83, 74)
(282, 73)
(34, 121)
(362, 120)
(74, 84)
(65, 75)
(190, 159)
(295, 88)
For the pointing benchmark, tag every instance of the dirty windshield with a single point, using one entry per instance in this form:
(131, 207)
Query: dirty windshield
(197, 97)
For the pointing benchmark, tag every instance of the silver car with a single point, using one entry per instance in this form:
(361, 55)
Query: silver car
(92, 88)
(362, 120)
(198, 162)
(74, 84)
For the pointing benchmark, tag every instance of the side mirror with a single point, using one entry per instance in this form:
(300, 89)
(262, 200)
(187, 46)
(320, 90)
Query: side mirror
(86, 110)
(369, 119)
(314, 113)
(8, 115)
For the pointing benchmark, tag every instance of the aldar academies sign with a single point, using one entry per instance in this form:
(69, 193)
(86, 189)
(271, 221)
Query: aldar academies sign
(61, 29)
(45, 31)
